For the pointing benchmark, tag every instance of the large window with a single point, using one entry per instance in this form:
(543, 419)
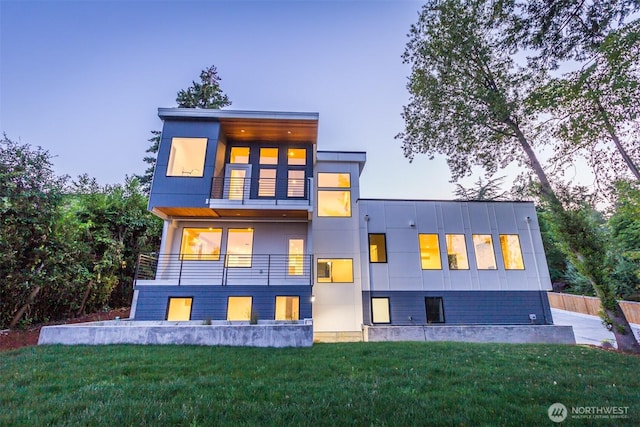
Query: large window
(435, 310)
(295, 184)
(297, 156)
(334, 202)
(239, 155)
(179, 309)
(483, 247)
(335, 270)
(380, 310)
(239, 247)
(239, 308)
(457, 252)
(200, 244)
(187, 157)
(267, 183)
(334, 180)
(268, 156)
(287, 308)
(377, 248)
(429, 252)
(511, 252)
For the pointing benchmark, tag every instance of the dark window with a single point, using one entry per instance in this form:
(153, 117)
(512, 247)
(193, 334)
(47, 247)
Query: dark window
(377, 248)
(435, 310)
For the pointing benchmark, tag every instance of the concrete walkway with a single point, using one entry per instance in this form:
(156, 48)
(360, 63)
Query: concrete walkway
(587, 329)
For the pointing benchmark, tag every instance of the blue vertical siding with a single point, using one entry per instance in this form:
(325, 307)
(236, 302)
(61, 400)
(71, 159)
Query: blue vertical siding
(465, 307)
(177, 191)
(210, 302)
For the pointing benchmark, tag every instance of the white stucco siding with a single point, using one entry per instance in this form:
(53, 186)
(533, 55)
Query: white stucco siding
(402, 221)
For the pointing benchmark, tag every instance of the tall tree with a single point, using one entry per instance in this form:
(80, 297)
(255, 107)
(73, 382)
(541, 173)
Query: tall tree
(204, 94)
(468, 103)
(489, 190)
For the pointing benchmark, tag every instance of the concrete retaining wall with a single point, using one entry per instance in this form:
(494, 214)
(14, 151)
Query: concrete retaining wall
(551, 334)
(272, 334)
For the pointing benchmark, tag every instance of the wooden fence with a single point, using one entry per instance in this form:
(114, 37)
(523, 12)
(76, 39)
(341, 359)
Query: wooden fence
(591, 305)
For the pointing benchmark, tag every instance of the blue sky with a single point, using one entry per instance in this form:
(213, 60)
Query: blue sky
(84, 79)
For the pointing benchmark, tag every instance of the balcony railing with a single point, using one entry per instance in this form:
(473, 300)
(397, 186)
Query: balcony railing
(274, 189)
(225, 269)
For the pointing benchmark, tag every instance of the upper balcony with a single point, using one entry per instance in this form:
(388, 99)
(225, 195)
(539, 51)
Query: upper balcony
(262, 197)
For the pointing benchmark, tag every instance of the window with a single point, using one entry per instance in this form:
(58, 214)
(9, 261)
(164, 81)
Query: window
(239, 247)
(287, 308)
(483, 246)
(239, 155)
(435, 310)
(200, 244)
(380, 310)
(239, 308)
(334, 203)
(377, 248)
(267, 183)
(297, 156)
(296, 257)
(511, 252)
(457, 252)
(187, 157)
(295, 184)
(179, 309)
(268, 156)
(335, 270)
(237, 184)
(334, 180)
(429, 252)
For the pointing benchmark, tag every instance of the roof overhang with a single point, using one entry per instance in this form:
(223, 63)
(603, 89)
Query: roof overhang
(267, 126)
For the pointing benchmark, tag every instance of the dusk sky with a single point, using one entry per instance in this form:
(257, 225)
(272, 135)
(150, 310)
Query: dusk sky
(84, 80)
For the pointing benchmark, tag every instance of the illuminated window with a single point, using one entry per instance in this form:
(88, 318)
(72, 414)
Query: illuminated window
(457, 252)
(335, 270)
(296, 257)
(200, 244)
(429, 252)
(239, 155)
(287, 308)
(295, 184)
(187, 157)
(267, 183)
(268, 156)
(435, 310)
(334, 180)
(239, 247)
(483, 247)
(334, 203)
(179, 309)
(511, 252)
(239, 308)
(380, 310)
(297, 156)
(377, 248)
(238, 186)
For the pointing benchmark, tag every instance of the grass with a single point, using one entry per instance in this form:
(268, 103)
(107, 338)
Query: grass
(381, 384)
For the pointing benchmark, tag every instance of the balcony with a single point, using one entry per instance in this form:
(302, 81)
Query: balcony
(224, 270)
(261, 197)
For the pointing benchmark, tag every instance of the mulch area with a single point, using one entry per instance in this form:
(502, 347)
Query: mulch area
(16, 338)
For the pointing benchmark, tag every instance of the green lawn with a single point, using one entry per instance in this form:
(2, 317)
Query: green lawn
(400, 384)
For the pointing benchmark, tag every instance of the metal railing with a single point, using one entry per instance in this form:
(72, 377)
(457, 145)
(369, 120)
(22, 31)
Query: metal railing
(226, 269)
(243, 189)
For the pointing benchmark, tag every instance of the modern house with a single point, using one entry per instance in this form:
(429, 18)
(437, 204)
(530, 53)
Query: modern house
(259, 223)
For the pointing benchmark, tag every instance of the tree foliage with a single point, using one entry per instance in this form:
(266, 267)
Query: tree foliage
(489, 190)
